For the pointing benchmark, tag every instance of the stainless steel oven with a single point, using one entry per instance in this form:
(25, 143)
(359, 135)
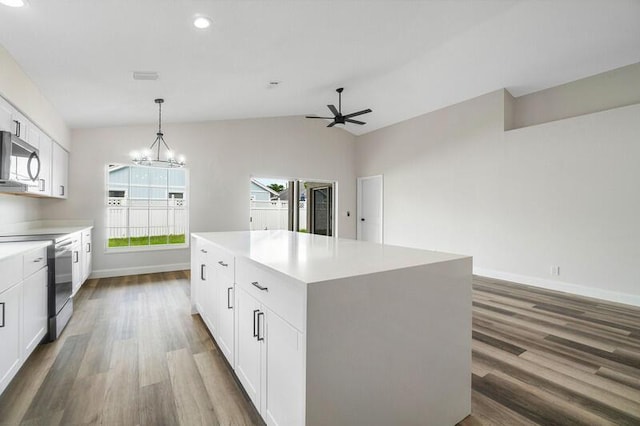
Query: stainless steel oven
(60, 260)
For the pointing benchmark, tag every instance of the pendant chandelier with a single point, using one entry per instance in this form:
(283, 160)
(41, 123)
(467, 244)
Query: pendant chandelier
(146, 156)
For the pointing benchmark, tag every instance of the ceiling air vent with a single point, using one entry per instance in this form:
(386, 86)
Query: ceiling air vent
(145, 75)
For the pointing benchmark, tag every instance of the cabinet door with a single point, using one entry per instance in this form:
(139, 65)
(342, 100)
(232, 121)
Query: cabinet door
(199, 275)
(284, 403)
(44, 184)
(35, 311)
(87, 254)
(33, 138)
(211, 298)
(76, 268)
(10, 313)
(225, 316)
(59, 171)
(248, 347)
(6, 112)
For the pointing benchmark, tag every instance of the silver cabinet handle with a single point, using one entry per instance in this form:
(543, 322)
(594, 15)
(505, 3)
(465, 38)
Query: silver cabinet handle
(37, 260)
(220, 262)
(229, 298)
(2, 305)
(88, 247)
(203, 269)
(62, 190)
(41, 185)
(258, 336)
(257, 284)
(203, 250)
(77, 258)
(255, 333)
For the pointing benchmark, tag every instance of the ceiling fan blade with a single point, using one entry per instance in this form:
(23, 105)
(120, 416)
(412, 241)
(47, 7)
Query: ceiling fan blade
(348, 120)
(333, 109)
(355, 114)
(333, 123)
(324, 118)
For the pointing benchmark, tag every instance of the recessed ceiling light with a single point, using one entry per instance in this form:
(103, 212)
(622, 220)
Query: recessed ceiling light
(202, 22)
(13, 3)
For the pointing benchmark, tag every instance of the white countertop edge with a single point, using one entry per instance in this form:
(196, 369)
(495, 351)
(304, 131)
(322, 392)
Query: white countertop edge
(8, 250)
(314, 278)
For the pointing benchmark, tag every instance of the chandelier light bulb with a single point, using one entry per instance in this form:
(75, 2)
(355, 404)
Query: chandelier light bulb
(169, 154)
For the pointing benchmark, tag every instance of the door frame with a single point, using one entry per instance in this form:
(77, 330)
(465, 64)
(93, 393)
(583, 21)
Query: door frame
(359, 181)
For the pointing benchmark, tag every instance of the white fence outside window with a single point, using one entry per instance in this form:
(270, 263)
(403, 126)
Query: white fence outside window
(275, 215)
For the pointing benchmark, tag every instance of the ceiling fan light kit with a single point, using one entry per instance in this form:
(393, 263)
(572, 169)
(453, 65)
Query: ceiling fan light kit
(338, 117)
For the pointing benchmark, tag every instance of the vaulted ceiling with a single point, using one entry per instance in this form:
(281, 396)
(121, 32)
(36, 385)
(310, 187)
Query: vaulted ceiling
(399, 58)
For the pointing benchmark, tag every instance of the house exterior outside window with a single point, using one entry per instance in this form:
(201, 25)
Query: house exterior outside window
(147, 207)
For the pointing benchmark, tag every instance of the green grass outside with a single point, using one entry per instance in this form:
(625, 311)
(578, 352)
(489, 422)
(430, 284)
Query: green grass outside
(145, 241)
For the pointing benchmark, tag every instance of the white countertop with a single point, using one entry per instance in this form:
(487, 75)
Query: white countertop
(49, 230)
(14, 249)
(315, 258)
(46, 227)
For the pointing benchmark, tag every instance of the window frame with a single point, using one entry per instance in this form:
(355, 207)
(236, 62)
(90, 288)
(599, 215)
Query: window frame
(150, 247)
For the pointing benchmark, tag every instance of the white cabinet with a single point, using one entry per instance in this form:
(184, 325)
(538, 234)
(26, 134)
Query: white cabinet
(44, 179)
(269, 361)
(86, 254)
(23, 309)
(6, 114)
(35, 310)
(313, 340)
(10, 313)
(225, 312)
(284, 378)
(59, 172)
(213, 283)
(76, 264)
(249, 347)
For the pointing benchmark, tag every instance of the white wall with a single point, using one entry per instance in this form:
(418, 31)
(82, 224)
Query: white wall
(17, 209)
(221, 157)
(17, 88)
(562, 193)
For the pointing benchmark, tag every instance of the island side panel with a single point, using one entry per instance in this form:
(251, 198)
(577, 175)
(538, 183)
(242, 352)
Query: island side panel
(390, 348)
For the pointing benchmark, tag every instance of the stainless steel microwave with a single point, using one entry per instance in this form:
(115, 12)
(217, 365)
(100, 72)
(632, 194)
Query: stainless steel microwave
(19, 164)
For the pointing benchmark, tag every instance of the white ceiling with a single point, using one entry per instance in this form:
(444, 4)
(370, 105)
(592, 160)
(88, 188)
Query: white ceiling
(399, 58)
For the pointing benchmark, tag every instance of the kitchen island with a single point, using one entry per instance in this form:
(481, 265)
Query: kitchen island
(327, 331)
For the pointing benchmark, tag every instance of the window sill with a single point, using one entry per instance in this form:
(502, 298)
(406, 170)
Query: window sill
(138, 249)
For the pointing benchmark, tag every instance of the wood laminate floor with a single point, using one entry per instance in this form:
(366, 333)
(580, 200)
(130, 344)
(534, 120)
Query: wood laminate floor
(132, 354)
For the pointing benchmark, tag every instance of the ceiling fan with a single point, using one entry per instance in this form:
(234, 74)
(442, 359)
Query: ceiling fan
(338, 118)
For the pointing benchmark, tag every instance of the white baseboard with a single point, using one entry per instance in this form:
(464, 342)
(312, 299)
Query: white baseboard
(121, 272)
(580, 290)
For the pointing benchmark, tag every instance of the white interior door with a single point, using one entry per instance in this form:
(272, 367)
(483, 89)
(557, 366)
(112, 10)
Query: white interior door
(370, 209)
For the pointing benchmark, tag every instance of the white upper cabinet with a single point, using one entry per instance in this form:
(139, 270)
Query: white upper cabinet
(54, 160)
(6, 114)
(59, 172)
(44, 179)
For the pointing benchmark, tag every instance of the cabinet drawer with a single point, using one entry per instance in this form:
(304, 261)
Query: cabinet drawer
(34, 261)
(10, 272)
(224, 262)
(283, 295)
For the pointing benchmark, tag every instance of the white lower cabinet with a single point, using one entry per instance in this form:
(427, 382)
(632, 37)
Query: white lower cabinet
(35, 310)
(284, 379)
(86, 254)
(226, 315)
(269, 362)
(265, 350)
(10, 314)
(249, 347)
(23, 310)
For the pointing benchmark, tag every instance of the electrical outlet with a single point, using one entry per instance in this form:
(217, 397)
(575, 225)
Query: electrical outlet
(555, 270)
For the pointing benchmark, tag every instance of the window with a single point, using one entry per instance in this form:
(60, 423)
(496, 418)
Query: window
(146, 206)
